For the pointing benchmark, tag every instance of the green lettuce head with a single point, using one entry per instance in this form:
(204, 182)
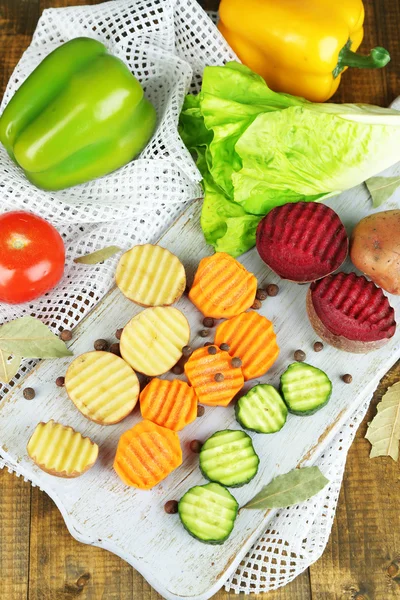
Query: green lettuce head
(258, 149)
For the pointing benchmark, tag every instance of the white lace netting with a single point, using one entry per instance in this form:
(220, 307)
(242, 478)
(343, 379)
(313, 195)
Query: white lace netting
(166, 44)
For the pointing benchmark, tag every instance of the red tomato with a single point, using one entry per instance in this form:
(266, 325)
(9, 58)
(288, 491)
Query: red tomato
(32, 257)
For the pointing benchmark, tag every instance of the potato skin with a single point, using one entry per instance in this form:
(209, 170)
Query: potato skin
(375, 249)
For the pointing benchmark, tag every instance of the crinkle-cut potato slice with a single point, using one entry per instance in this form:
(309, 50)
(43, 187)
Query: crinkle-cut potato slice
(102, 387)
(147, 454)
(215, 381)
(61, 451)
(152, 341)
(222, 287)
(171, 404)
(151, 276)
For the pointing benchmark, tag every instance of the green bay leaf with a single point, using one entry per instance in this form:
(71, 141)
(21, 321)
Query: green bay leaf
(288, 489)
(30, 338)
(382, 188)
(94, 258)
(9, 366)
(384, 430)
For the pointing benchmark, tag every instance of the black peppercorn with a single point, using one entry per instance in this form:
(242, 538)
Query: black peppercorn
(100, 345)
(66, 335)
(272, 289)
(208, 322)
(60, 381)
(114, 349)
(195, 446)
(29, 393)
(171, 507)
(299, 355)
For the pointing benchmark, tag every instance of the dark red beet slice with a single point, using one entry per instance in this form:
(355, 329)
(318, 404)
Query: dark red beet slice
(303, 241)
(350, 312)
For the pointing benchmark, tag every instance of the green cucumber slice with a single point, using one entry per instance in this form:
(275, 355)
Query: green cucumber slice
(261, 409)
(305, 389)
(228, 457)
(208, 512)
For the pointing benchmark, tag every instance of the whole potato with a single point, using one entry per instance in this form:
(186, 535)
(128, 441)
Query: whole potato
(375, 249)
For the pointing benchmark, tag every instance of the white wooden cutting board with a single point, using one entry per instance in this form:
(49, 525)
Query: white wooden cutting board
(98, 509)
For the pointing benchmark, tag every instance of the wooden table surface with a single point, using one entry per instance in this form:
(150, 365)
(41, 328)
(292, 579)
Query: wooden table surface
(39, 560)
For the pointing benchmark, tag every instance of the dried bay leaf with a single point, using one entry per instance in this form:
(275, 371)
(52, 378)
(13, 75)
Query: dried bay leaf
(94, 258)
(381, 188)
(288, 489)
(9, 366)
(384, 430)
(30, 338)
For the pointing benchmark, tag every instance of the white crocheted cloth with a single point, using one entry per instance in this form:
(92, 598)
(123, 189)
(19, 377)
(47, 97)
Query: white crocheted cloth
(166, 44)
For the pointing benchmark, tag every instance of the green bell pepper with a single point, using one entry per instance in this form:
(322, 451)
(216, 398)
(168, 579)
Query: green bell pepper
(81, 114)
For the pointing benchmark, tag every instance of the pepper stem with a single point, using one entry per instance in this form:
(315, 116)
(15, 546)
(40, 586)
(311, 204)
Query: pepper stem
(376, 59)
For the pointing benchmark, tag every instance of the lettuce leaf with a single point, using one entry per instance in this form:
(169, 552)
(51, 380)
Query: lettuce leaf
(225, 224)
(231, 99)
(192, 129)
(303, 153)
(257, 149)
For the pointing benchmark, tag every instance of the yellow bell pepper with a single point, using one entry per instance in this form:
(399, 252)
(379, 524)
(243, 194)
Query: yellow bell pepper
(300, 47)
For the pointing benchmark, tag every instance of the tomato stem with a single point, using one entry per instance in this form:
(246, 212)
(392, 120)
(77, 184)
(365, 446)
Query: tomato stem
(18, 242)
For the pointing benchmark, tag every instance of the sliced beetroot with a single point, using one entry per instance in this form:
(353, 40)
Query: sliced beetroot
(350, 312)
(303, 241)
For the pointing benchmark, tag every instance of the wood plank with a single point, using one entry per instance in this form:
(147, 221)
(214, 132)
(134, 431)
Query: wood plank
(102, 482)
(11, 49)
(382, 21)
(63, 569)
(360, 559)
(379, 86)
(15, 497)
(18, 20)
(88, 499)
(298, 589)
(18, 17)
(362, 556)
(62, 3)
(143, 590)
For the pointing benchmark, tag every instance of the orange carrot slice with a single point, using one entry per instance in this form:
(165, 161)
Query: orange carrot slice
(222, 287)
(171, 404)
(146, 454)
(213, 377)
(250, 337)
